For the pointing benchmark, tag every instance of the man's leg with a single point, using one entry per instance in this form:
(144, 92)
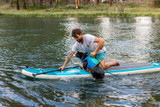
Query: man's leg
(105, 65)
(101, 56)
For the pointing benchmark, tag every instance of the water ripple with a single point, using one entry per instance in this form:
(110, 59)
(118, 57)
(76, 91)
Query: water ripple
(46, 42)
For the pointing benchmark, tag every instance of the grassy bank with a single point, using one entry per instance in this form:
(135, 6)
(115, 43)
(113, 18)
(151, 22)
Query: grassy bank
(102, 10)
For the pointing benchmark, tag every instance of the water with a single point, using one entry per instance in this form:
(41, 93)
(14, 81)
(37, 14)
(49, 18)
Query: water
(46, 42)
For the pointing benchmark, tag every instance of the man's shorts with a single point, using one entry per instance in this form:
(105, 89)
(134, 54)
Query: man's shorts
(101, 56)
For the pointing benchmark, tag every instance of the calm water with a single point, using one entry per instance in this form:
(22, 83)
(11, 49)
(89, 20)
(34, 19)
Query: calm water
(45, 43)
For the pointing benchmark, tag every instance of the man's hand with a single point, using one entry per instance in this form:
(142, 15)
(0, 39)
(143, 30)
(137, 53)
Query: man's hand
(92, 54)
(66, 61)
(61, 68)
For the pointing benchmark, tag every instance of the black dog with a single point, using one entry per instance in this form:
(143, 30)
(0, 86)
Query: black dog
(82, 56)
(97, 72)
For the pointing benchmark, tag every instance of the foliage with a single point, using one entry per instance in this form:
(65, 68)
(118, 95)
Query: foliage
(64, 10)
(157, 3)
(131, 5)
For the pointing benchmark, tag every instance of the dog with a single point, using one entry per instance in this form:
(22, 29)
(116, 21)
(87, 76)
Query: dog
(97, 71)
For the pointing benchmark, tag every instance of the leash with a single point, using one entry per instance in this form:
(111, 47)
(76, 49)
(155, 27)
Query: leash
(107, 71)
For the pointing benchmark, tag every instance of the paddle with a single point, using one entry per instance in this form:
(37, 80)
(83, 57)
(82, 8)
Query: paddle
(52, 71)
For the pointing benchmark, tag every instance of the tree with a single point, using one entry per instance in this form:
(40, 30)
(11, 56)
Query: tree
(110, 2)
(51, 2)
(41, 3)
(11, 3)
(86, 2)
(24, 4)
(34, 2)
(96, 2)
(121, 6)
(77, 3)
(17, 2)
(153, 4)
(7, 1)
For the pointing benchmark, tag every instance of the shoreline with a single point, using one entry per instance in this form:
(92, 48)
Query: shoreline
(6, 11)
(80, 14)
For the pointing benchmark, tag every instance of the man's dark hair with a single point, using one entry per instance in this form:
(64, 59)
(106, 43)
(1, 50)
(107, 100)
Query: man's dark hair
(75, 32)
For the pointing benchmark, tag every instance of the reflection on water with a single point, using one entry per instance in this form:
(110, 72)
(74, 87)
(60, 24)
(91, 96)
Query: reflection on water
(143, 29)
(105, 27)
(46, 42)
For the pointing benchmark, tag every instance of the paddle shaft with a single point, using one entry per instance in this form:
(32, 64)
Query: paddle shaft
(52, 71)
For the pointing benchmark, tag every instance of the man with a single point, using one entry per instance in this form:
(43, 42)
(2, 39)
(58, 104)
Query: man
(94, 66)
(86, 43)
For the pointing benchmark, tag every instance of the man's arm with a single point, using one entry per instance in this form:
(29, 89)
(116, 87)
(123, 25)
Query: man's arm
(99, 46)
(67, 60)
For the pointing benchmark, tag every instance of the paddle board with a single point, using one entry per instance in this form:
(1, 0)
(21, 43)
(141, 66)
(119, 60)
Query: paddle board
(122, 69)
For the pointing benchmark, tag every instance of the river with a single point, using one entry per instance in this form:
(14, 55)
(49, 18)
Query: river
(46, 42)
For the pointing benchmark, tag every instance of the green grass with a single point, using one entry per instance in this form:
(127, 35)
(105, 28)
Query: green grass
(102, 10)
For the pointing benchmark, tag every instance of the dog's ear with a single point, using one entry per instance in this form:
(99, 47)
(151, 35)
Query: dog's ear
(81, 55)
(78, 55)
(85, 55)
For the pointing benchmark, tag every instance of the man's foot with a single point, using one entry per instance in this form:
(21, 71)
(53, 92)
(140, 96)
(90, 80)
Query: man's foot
(117, 63)
(114, 63)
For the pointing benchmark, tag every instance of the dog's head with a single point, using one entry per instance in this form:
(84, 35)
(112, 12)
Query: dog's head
(81, 55)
